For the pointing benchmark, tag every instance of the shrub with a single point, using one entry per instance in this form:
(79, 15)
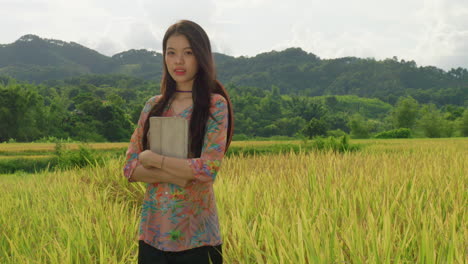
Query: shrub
(337, 145)
(26, 165)
(51, 139)
(239, 137)
(395, 133)
(318, 144)
(67, 159)
(263, 150)
(336, 133)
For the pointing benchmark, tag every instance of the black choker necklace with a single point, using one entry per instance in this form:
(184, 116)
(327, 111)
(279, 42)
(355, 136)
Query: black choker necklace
(183, 91)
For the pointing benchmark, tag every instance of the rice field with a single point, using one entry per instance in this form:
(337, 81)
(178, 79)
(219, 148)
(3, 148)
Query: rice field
(12, 148)
(395, 201)
(49, 147)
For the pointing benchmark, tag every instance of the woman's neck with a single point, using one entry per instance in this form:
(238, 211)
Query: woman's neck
(183, 91)
(182, 96)
(186, 86)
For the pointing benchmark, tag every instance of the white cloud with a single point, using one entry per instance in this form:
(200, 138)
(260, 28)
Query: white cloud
(162, 14)
(431, 32)
(445, 38)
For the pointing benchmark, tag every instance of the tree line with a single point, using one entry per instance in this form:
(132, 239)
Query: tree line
(105, 108)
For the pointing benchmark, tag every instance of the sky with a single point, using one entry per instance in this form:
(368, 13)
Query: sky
(430, 32)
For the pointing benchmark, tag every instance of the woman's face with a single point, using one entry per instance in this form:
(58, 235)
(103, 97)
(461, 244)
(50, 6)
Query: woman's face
(181, 62)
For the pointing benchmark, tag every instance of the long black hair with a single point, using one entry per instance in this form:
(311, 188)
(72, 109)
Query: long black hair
(204, 85)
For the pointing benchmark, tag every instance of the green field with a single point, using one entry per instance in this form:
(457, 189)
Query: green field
(37, 157)
(393, 201)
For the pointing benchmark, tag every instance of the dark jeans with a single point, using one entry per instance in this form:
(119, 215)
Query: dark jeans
(200, 255)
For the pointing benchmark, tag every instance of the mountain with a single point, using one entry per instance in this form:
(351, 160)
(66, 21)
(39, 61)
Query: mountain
(139, 63)
(293, 70)
(34, 59)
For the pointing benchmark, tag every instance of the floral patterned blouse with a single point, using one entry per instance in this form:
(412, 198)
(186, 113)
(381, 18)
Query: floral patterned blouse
(175, 218)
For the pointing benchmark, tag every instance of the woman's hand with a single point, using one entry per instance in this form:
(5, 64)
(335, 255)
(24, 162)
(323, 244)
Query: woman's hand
(142, 174)
(149, 159)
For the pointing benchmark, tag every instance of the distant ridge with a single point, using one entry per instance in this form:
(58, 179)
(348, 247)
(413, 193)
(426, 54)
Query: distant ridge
(293, 70)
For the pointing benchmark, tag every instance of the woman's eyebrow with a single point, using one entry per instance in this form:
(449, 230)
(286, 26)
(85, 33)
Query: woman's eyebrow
(183, 48)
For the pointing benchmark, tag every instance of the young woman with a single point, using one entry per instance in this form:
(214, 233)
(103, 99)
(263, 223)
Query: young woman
(179, 220)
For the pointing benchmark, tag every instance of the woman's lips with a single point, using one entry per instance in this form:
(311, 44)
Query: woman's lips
(179, 72)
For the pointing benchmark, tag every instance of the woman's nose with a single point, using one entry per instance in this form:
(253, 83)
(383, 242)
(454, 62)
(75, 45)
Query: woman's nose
(179, 59)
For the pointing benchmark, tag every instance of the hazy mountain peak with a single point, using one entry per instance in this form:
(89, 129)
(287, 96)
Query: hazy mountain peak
(29, 38)
(293, 52)
(135, 52)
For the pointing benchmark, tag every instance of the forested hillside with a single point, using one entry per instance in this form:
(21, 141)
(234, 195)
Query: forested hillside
(57, 89)
(297, 72)
(293, 71)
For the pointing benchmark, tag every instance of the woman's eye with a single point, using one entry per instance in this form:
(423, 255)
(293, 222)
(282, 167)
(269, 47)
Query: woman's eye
(188, 53)
(170, 53)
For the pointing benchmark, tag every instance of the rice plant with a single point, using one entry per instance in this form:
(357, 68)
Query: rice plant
(396, 201)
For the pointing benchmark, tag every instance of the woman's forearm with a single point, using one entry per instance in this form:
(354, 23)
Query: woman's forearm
(173, 166)
(154, 175)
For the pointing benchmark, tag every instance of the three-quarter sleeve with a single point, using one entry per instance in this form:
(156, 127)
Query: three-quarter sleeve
(207, 166)
(135, 147)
